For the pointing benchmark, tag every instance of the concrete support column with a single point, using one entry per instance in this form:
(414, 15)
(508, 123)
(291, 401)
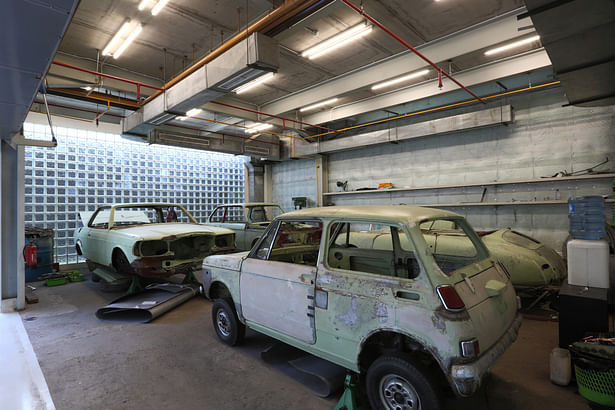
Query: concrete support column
(268, 183)
(255, 181)
(322, 177)
(12, 273)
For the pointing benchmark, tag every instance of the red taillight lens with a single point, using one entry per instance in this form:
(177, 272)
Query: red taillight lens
(450, 298)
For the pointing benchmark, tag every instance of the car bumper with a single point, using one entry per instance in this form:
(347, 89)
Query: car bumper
(467, 377)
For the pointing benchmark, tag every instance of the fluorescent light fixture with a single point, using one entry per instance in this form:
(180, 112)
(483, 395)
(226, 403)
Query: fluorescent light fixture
(337, 41)
(159, 6)
(144, 4)
(133, 34)
(87, 88)
(181, 118)
(511, 45)
(116, 38)
(253, 83)
(317, 105)
(258, 127)
(400, 79)
(193, 112)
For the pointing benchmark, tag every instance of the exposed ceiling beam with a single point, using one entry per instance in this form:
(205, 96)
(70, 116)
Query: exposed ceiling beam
(494, 31)
(505, 68)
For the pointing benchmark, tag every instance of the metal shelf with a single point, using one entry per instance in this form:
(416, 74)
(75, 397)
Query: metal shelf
(507, 203)
(479, 184)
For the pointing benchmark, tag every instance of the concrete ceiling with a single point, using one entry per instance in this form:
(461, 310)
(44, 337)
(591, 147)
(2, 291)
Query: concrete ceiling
(452, 33)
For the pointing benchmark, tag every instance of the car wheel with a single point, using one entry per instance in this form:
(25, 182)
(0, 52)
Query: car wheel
(121, 264)
(396, 382)
(228, 327)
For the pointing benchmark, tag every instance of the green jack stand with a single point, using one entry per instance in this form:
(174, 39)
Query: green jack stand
(135, 285)
(350, 399)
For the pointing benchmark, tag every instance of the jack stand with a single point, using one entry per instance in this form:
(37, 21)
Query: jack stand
(135, 285)
(189, 278)
(350, 399)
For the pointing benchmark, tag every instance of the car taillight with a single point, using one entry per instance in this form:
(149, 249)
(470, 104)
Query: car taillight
(470, 348)
(450, 298)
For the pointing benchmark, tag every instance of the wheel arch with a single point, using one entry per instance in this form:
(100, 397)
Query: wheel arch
(383, 341)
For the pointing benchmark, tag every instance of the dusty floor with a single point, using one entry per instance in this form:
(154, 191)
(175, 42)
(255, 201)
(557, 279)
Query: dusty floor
(176, 361)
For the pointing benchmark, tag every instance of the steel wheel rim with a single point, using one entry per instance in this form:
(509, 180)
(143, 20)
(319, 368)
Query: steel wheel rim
(396, 393)
(223, 323)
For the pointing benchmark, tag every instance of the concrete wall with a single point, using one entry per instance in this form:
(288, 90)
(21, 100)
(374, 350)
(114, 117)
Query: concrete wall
(543, 139)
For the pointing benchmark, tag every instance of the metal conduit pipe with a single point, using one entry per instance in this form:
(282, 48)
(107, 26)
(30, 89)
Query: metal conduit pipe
(287, 10)
(414, 50)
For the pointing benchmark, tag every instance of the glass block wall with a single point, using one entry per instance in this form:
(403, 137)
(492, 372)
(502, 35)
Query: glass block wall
(88, 169)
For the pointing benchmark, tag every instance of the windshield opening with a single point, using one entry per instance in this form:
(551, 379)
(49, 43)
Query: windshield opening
(263, 213)
(453, 243)
(143, 215)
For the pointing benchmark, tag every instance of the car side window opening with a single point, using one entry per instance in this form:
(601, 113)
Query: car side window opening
(218, 215)
(379, 249)
(295, 242)
(453, 244)
(100, 219)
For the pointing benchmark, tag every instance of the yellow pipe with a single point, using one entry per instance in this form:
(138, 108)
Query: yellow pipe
(433, 109)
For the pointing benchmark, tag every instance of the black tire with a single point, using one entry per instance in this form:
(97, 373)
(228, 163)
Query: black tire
(396, 382)
(228, 327)
(121, 264)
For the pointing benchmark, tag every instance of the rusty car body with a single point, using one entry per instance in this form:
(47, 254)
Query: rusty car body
(248, 220)
(151, 240)
(361, 286)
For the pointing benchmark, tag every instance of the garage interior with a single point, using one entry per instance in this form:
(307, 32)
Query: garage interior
(502, 111)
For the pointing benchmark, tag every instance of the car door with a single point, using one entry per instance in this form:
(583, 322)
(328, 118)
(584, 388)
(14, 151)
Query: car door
(96, 238)
(363, 279)
(277, 279)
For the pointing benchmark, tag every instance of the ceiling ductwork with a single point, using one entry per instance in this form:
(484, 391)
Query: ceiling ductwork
(578, 36)
(247, 60)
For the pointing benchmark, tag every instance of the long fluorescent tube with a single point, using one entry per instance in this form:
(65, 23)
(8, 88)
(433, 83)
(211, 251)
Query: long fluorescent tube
(258, 127)
(193, 112)
(400, 79)
(159, 6)
(511, 45)
(317, 105)
(111, 45)
(144, 4)
(135, 32)
(253, 83)
(338, 40)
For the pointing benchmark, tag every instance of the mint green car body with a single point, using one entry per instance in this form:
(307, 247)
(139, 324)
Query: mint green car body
(243, 220)
(319, 302)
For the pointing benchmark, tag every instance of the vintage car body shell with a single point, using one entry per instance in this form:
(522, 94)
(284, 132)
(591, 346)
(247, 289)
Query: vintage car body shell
(530, 264)
(246, 232)
(361, 306)
(97, 244)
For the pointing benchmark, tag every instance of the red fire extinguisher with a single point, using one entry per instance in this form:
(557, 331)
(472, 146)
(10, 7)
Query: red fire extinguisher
(29, 254)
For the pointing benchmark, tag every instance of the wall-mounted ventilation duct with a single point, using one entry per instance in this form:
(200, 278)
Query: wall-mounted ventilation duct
(166, 135)
(239, 65)
(455, 123)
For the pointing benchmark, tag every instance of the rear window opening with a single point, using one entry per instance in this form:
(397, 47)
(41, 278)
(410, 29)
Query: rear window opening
(453, 244)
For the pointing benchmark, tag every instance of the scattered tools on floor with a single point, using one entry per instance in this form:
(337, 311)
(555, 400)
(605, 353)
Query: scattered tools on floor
(61, 278)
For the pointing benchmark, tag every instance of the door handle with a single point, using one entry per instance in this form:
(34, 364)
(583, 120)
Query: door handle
(404, 294)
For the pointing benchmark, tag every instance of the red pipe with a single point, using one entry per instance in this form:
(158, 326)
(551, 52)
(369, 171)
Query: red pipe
(85, 70)
(414, 50)
(77, 109)
(272, 115)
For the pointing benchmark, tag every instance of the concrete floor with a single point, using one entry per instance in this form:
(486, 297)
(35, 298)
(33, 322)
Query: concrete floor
(176, 361)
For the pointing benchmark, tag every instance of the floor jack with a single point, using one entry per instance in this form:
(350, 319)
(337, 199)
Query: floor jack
(351, 398)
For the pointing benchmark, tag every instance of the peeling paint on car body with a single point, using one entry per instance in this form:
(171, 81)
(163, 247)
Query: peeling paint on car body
(399, 297)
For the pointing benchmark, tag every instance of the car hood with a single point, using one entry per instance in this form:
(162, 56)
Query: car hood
(230, 261)
(159, 231)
